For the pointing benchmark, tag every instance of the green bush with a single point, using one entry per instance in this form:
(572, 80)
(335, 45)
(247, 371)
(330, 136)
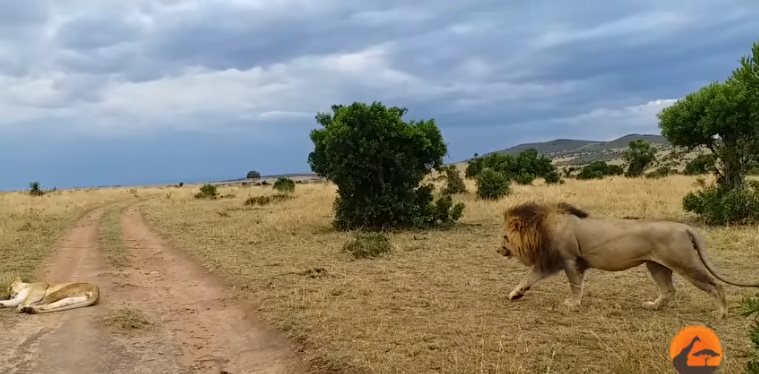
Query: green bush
(524, 178)
(285, 185)
(719, 206)
(378, 161)
(599, 170)
(454, 183)
(492, 185)
(661, 172)
(368, 245)
(751, 308)
(522, 168)
(207, 191)
(553, 177)
(639, 156)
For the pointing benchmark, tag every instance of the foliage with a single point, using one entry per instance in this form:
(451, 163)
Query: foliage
(661, 172)
(553, 177)
(522, 168)
(207, 191)
(492, 184)
(35, 190)
(721, 116)
(253, 175)
(454, 183)
(702, 164)
(751, 308)
(285, 185)
(721, 206)
(368, 245)
(599, 170)
(639, 156)
(377, 160)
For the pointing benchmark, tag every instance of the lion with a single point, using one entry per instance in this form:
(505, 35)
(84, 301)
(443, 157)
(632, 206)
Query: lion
(42, 297)
(554, 237)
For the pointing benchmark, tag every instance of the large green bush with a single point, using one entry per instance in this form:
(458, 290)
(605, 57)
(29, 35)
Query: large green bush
(523, 168)
(720, 206)
(378, 160)
(492, 184)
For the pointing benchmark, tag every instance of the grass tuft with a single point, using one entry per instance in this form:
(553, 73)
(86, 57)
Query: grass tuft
(368, 245)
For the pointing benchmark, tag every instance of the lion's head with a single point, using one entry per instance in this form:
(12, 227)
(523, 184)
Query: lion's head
(528, 231)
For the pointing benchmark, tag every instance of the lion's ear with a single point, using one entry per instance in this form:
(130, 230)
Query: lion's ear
(516, 224)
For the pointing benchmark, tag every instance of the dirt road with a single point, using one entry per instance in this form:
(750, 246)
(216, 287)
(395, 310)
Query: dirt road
(195, 325)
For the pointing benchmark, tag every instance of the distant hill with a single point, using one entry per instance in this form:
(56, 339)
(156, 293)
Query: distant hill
(576, 152)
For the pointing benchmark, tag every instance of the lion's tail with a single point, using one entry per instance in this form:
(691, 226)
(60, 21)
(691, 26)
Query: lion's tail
(699, 245)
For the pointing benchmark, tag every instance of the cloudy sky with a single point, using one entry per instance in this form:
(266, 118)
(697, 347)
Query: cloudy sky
(155, 91)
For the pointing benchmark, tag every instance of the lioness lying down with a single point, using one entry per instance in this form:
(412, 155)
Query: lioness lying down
(41, 297)
(554, 237)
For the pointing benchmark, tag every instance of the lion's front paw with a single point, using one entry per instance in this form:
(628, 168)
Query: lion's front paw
(515, 295)
(28, 309)
(572, 304)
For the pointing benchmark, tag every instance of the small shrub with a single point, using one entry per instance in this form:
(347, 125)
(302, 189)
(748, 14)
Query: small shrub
(445, 212)
(368, 245)
(599, 170)
(661, 172)
(553, 177)
(35, 190)
(720, 207)
(266, 200)
(285, 185)
(207, 191)
(492, 185)
(454, 183)
(127, 319)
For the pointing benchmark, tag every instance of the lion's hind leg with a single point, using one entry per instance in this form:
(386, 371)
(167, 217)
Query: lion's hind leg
(701, 279)
(662, 275)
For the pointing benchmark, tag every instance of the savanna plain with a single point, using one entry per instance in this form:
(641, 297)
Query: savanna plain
(438, 301)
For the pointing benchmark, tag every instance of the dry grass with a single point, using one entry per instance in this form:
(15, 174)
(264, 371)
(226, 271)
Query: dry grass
(126, 320)
(111, 238)
(438, 302)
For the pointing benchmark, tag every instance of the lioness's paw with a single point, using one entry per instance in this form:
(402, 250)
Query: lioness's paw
(28, 309)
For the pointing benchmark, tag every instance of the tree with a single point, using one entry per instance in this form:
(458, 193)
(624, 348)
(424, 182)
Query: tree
(253, 175)
(723, 118)
(377, 160)
(599, 170)
(639, 157)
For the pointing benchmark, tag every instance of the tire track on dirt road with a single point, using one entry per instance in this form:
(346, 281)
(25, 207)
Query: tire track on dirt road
(197, 327)
(215, 333)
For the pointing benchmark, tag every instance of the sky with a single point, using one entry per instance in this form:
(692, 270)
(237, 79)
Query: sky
(165, 91)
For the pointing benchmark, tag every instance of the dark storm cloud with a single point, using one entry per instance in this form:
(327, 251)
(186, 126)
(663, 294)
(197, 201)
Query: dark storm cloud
(160, 76)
